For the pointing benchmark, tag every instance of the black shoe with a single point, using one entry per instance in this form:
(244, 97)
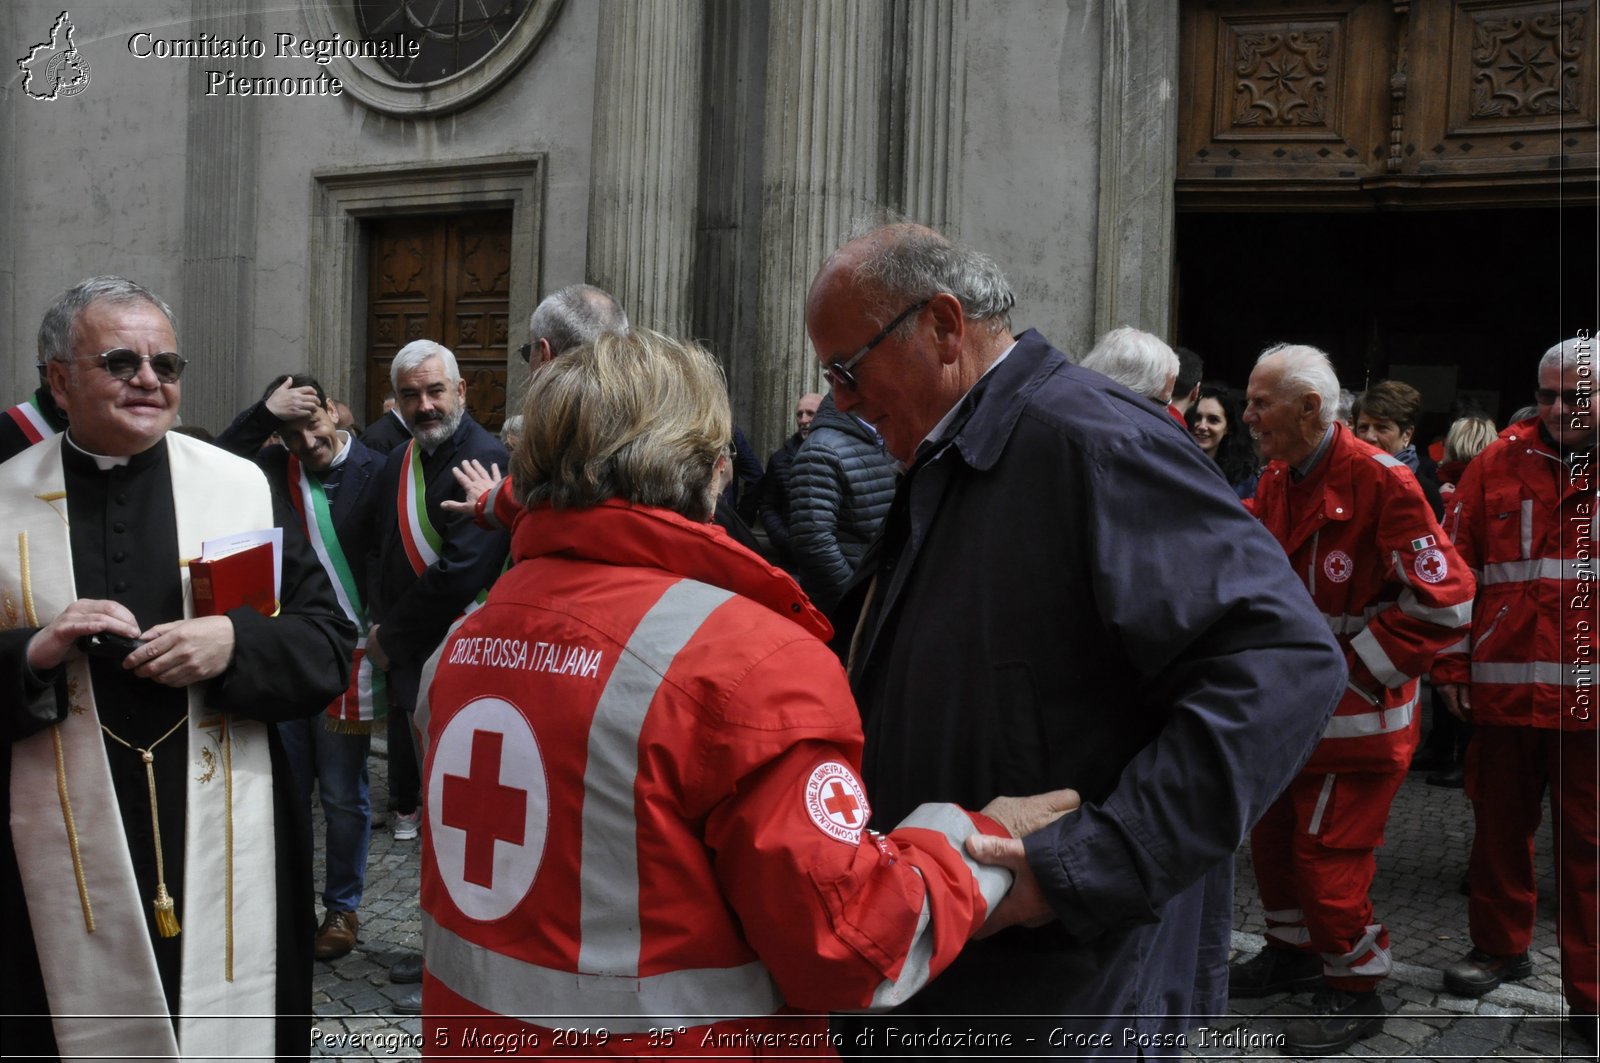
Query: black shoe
(407, 970)
(410, 1003)
(1427, 760)
(1455, 778)
(1274, 970)
(1338, 1020)
(1481, 972)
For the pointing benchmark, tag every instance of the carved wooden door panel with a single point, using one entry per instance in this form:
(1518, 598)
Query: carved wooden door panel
(1362, 102)
(443, 278)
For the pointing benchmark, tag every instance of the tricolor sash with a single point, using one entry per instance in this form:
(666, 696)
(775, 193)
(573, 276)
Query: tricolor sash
(88, 918)
(366, 698)
(422, 540)
(32, 420)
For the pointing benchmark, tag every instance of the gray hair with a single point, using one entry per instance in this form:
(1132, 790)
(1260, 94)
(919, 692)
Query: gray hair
(511, 427)
(415, 353)
(58, 331)
(575, 315)
(912, 263)
(1137, 360)
(1579, 350)
(1307, 369)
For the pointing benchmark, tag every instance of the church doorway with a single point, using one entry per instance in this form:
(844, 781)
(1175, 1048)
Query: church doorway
(1458, 303)
(445, 278)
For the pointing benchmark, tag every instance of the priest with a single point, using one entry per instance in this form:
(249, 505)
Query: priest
(155, 880)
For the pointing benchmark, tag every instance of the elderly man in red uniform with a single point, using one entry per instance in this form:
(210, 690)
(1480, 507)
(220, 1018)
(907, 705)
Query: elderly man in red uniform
(1361, 535)
(1524, 517)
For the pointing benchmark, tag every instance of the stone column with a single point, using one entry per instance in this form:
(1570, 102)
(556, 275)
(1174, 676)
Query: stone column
(215, 318)
(820, 172)
(1138, 165)
(931, 37)
(645, 152)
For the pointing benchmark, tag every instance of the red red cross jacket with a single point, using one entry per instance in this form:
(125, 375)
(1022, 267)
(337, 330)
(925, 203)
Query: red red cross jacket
(644, 811)
(1527, 523)
(1386, 578)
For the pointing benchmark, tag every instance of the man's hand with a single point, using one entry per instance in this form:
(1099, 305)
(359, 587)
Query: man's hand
(375, 654)
(184, 651)
(1024, 815)
(291, 404)
(1025, 904)
(1457, 698)
(475, 481)
(56, 641)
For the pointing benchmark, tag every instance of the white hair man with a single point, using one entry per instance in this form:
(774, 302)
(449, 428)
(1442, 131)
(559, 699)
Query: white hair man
(1137, 360)
(1524, 517)
(1364, 540)
(159, 889)
(568, 317)
(432, 563)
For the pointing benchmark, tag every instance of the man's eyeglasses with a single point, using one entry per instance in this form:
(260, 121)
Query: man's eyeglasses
(525, 351)
(1546, 397)
(840, 372)
(125, 364)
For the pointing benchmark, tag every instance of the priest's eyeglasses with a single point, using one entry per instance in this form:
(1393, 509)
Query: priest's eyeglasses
(125, 364)
(840, 372)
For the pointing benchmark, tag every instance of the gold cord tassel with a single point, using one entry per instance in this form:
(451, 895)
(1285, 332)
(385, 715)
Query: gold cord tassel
(166, 917)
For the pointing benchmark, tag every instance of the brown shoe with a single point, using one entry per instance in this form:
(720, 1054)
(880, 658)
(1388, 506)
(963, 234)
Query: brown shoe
(337, 935)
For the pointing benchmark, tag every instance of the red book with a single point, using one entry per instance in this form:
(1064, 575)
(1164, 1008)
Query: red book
(241, 578)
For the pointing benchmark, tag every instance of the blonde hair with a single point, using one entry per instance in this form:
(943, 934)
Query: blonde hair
(1468, 437)
(636, 416)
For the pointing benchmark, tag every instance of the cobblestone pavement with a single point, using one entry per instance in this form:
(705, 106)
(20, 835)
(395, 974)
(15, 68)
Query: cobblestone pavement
(1416, 894)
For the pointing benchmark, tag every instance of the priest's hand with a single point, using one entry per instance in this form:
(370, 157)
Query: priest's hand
(56, 641)
(184, 651)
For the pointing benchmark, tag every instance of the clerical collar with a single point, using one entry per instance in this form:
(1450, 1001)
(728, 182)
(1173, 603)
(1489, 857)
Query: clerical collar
(101, 461)
(1301, 471)
(939, 430)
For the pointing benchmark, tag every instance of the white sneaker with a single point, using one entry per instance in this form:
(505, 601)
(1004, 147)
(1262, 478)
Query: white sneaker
(407, 824)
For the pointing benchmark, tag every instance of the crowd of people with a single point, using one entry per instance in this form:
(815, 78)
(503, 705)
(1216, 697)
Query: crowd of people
(688, 739)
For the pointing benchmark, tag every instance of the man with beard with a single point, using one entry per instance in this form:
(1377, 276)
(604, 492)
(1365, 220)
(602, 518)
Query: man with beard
(432, 563)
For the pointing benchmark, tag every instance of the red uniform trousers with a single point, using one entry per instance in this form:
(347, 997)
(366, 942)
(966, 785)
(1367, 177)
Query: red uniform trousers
(1313, 855)
(1508, 769)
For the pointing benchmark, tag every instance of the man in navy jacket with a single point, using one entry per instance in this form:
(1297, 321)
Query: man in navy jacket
(1065, 593)
(318, 459)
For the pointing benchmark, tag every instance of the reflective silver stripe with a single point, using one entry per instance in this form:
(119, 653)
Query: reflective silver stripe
(608, 882)
(1286, 915)
(1462, 645)
(1552, 568)
(1290, 935)
(1527, 527)
(1349, 623)
(511, 987)
(955, 826)
(1443, 615)
(1389, 460)
(1322, 806)
(1336, 966)
(1377, 661)
(1552, 673)
(1400, 571)
(1361, 724)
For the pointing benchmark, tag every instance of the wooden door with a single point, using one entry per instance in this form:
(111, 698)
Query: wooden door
(444, 278)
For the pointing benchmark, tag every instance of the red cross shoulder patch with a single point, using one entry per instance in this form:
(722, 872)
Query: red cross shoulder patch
(1430, 566)
(836, 802)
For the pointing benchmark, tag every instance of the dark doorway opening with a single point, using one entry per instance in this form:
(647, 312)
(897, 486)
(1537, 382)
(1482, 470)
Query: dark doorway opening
(1458, 303)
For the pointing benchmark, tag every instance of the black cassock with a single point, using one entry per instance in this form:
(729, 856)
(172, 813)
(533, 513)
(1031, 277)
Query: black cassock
(124, 547)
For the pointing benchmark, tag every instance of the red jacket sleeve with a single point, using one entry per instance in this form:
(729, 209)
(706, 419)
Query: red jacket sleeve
(1465, 523)
(843, 917)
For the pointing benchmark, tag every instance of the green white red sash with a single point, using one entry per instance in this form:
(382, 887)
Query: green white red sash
(32, 420)
(422, 540)
(366, 698)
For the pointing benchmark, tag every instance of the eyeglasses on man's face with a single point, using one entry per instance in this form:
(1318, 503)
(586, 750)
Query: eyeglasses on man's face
(525, 351)
(1569, 399)
(125, 364)
(839, 372)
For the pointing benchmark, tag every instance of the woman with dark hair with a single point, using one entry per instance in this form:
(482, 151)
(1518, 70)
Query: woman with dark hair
(1216, 424)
